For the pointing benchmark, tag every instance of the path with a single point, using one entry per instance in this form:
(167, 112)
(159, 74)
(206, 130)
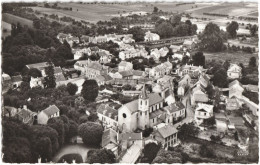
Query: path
(131, 155)
(72, 149)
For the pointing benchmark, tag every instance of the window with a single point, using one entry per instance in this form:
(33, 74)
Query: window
(141, 102)
(205, 114)
(124, 115)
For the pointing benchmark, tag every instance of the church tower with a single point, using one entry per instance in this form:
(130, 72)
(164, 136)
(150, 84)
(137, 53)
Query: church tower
(143, 110)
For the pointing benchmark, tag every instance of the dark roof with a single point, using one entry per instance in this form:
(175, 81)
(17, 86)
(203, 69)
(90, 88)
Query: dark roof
(156, 113)
(24, 113)
(167, 130)
(130, 136)
(51, 110)
(108, 111)
(108, 136)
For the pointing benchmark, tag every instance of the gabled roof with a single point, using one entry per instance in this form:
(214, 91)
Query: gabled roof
(125, 63)
(188, 42)
(51, 110)
(108, 136)
(156, 113)
(167, 130)
(175, 107)
(131, 136)
(25, 113)
(126, 73)
(108, 111)
(37, 65)
(235, 82)
(208, 108)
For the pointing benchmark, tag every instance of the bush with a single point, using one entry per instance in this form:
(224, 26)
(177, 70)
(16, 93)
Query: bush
(206, 152)
(91, 133)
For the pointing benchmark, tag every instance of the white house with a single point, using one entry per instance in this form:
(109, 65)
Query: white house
(46, 114)
(124, 66)
(35, 82)
(78, 53)
(234, 71)
(108, 116)
(203, 111)
(151, 36)
(235, 89)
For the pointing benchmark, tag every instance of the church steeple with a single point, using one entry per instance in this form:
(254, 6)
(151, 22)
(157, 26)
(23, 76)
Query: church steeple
(143, 94)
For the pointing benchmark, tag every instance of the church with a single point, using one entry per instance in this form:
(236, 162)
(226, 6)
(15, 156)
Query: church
(144, 112)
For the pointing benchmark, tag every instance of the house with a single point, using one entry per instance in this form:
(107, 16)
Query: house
(124, 66)
(8, 111)
(189, 44)
(221, 122)
(155, 54)
(190, 69)
(251, 88)
(95, 69)
(58, 75)
(175, 48)
(166, 135)
(40, 66)
(80, 65)
(138, 74)
(128, 139)
(105, 57)
(46, 114)
(130, 53)
(25, 115)
(98, 39)
(151, 36)
(253, 107)
(103, 79)
(78, 53)
(234, 71)
(165, 79)
(235, 89)
(16, 81)
(163, 51)
(174, 112)
(71, 40)
(35, 82)
(165, 90)
(198, 95)
(177, 56)
(110, 140)
(128, 40)
(183, 84)
(160, 70)
(232, 104)
(136, 114)
(203, 111)
(131, 93)
(108, 116)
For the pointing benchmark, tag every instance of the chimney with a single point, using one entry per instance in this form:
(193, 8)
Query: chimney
(39, 159)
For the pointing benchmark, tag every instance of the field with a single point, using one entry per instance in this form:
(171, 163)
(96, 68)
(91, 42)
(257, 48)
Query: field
(231, 9)
(12, 19)
(6, 29)
(234, 57)
(96, 12)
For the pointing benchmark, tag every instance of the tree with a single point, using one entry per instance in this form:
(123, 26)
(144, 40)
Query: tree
(150, 151)
(209, 122)
(168, 157)
(198, 59)
(72, 88)
(34, 72)
(83, 119)
(252, 62)
(50, 80)
(164, 29)
(155, 9)
(175, 20)
(91, 133)
(205, 151)
(253, 29)
(210, 91)
(64, 51)
(89, 90)
(226, 65)
(232, 29)
(211, 38)
(138, 33)
(101, 156)
(220, 78)
(187, 130)
(58, 124)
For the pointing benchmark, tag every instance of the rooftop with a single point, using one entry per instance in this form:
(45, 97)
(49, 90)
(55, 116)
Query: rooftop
(167, 130)
(51, 110)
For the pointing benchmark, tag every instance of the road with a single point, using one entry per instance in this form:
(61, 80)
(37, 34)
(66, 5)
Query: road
(72, 149)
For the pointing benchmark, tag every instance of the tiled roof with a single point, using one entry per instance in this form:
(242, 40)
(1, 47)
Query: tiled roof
(24, 113)
(130, 136)
(234, 83)
(95, 65)
(51, 110)
(156, 113)
(126, 73)
(108, 136)
(108, 111)
(137, 72)
(132, 106)
(60, 77)
(154, 98)
(175, 107)
(208, 108)
(167, 130)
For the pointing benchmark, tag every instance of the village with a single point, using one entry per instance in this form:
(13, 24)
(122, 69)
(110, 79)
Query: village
(132, 101)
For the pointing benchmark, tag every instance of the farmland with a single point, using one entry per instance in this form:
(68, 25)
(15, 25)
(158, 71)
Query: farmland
(234, 57)
(12, 19)
(96, 12)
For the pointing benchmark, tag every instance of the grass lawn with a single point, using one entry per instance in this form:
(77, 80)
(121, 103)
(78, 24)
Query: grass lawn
(234, 57)
(12, 19)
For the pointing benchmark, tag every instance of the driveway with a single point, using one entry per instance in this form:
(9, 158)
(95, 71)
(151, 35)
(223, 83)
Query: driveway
(73, 149)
